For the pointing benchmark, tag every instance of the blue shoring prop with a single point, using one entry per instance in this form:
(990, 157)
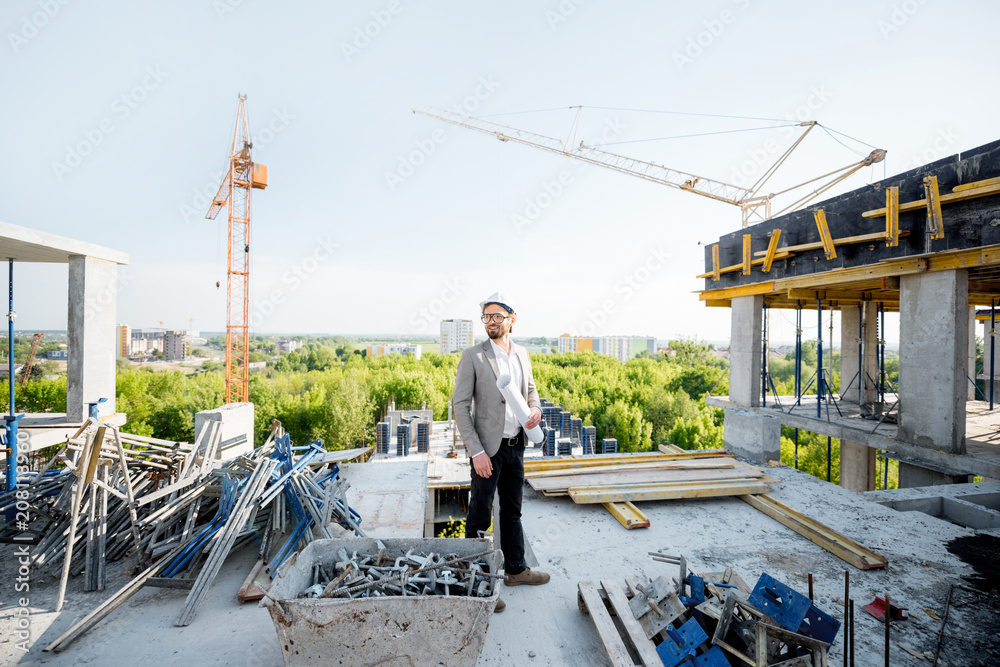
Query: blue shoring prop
(681, 643)
(782, 603)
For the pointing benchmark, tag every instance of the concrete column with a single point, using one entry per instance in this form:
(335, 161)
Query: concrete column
(91, 336)
(970, 364)
(745, 342)
(236, 420)
(850, 362)
(857, 467)
(934, 339)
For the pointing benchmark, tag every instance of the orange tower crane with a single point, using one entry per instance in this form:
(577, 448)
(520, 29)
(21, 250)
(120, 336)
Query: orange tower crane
(243, 176)
(26, 369)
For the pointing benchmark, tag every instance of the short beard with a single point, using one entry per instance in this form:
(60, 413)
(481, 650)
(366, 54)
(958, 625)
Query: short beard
(494, 335)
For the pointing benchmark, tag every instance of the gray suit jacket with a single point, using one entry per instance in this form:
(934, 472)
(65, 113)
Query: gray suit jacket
(479, 405)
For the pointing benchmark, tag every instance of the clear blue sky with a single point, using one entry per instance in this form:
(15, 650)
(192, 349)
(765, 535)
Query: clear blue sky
(348, 239)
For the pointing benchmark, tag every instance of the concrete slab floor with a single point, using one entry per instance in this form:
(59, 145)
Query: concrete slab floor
(576, 543)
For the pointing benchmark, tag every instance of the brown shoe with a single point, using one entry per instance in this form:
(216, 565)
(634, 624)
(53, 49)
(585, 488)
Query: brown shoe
(529, 577)
(501, 605)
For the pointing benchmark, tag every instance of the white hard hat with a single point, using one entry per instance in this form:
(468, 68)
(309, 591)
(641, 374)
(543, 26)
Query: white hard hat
(501, 299)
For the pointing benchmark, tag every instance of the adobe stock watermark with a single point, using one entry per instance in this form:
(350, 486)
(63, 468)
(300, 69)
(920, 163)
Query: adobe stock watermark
(761, 157)
(224, 7)
(711, 30)
(408, 164)
(121, 108)
(34, 23)
(22, 582)
(940, 147)
(201, 198)
(563, 11)
(899, 16)
(425, 316)
(551, 190)
(296, 276)
(364, 35)
(624, 289)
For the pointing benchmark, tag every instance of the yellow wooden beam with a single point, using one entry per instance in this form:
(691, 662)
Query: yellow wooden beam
(892, 217)
(715, 262)
(747, 255)
(569, 462)
(737, 291)
(935, 222)
(978, 184)
(973, 191)
(824, 234)
(837, 544)
(772, 248)
(841, 276)
(667, 491)
(628, 515)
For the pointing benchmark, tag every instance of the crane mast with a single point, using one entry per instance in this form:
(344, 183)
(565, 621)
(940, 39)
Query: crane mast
(754, 206)
(243, 176)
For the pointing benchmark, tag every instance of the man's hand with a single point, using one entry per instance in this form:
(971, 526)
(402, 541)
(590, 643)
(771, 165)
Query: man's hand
(534, 420)
(482, 465)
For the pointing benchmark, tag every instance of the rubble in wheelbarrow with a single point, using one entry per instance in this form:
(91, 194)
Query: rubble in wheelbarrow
(713, 619)
(413, 573)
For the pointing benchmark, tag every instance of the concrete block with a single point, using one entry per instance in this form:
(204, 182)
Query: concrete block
(933, 351)
(911, 476)
(745, 355)
(752, 437)
(236, 419)
(857, 467)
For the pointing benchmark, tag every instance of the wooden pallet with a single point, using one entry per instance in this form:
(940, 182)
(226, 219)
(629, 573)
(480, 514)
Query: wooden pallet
(623, 638)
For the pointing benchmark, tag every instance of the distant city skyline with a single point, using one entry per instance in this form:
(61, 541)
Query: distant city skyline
(377, 219)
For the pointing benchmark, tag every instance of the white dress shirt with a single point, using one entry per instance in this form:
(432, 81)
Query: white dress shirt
(511, 367)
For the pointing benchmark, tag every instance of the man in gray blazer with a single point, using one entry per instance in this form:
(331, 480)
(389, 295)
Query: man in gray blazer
(493, 437)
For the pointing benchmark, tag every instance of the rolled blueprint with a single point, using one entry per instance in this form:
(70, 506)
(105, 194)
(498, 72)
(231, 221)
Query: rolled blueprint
(521, 409)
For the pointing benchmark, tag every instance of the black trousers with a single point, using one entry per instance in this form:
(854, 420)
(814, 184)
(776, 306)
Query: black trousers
(507, 481)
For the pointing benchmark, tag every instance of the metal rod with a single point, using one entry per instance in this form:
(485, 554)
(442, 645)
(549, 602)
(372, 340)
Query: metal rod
(819, 359)
(993, 347)
(851, 605)
(796, 449)
(847, 617)
(829, 456)
(10, 333)
(881, 353)
(810, 586)
(763, 365)
(944, 619)
(861, 355)
(888, 613)
(798, 353)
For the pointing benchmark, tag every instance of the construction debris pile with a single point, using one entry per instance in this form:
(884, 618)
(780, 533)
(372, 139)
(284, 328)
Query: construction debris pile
(178, 509)
(712, 619)
(384, 573)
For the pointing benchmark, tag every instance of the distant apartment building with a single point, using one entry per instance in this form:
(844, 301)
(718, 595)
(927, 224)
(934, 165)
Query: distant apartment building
(621, 348)
(382, 349)
(174, 345)
(286, 346)
(456, 335)
(124, 341)
(57, 355)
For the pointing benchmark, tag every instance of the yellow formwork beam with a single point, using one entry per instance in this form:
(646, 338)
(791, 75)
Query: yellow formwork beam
(667, 490)
(628, 515)
(892, 216)
(772, 248)
(935, 221)
(824, 234)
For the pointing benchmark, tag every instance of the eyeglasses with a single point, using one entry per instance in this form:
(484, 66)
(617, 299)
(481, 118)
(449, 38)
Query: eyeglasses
(493, 317)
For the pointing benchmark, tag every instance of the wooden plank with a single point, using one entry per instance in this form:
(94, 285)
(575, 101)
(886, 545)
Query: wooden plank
(978, 184)
(697, 464)
(961, 195)
(843, 547)
(671, 449)
(628, 515)
(606, 630)
(643, 646)
(568, 462)
(674, 491)
(772, 249)
(633, 477)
